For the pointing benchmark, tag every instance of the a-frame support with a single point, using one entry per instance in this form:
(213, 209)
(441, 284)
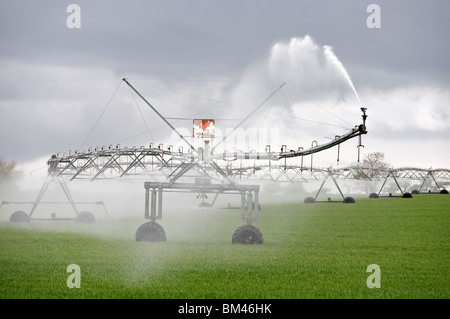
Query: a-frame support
(330, 174)
(391, 174)
(49, 180)
(427, 178)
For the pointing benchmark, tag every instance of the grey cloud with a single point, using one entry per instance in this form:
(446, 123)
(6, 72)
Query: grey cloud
(192, 40)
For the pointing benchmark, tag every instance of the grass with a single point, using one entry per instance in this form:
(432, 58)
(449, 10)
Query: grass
(309, 251)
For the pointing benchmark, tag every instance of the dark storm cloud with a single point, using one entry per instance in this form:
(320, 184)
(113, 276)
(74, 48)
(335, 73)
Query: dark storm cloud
(197, 37)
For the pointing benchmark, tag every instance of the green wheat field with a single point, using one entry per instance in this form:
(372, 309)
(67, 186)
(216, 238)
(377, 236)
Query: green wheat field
(317, 250)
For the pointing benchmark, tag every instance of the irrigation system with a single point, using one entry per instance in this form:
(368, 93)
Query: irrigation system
(204, 171)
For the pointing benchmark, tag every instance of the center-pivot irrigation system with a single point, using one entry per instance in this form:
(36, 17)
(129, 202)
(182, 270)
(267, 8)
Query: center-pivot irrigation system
(202, 171)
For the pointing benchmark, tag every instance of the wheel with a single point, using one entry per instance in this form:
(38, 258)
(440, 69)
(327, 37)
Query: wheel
(373, 195)
(349, 200)
(85, 217)
(247, 234)
(407, 195)
(152, 232)
(444, 191)
(309, 200)
(19, 217)
(415, 192)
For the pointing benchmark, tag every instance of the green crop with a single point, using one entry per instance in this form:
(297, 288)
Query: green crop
(317, 250)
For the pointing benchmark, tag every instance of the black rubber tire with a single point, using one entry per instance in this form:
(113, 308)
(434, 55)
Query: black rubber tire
(444, 191)
(349, 200)
(415, 192)
(19, 217)
(85, 217)
(407, 195)
(373, 195)
(247, 235)
(151, 232)
(309, 200)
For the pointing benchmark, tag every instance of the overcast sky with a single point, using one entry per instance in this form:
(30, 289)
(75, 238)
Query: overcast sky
(194, 57)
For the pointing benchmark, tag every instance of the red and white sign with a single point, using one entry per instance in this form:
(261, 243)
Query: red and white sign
(204, 128)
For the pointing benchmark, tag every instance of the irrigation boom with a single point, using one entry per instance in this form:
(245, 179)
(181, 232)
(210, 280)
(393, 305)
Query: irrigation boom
(117, 162)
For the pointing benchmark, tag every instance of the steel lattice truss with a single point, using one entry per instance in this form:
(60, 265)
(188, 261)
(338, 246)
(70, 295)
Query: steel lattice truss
(158, 164)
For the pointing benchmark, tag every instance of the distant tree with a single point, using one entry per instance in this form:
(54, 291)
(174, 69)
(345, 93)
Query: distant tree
(370, 165)
(369, 170)
(8, 170)
(376, 160)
